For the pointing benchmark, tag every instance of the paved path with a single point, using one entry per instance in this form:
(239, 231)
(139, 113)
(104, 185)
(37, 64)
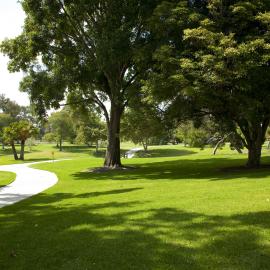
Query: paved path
(28, 182)
(131, 152)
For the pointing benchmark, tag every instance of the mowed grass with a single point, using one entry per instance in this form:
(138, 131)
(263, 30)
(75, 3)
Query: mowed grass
(178, 212)
(44, 151)
(6, 178)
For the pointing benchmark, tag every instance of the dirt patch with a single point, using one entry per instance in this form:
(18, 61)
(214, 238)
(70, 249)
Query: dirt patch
(108, 169)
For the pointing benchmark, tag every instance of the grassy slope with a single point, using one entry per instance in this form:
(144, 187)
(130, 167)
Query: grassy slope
(179, 212)
(6, 178)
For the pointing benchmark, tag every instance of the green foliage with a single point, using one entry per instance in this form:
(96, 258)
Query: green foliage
(61, 125)
(221, 69)
(10, 107)
(142, 124)
(191, 135)
(98, 49)
(19, 131)
(5, 120)
(50, 137)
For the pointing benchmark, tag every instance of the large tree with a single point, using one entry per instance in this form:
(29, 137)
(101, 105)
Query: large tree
(97, 48)
(226, 65)
(222, 69)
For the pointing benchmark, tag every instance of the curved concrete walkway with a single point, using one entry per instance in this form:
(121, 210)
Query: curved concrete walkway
(28, 182)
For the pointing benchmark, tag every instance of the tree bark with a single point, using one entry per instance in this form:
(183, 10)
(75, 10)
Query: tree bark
(254, 155)
(217, 145)
(113, 155)
(60, 145)
(96, 146)
(254, 133)
(145, 146)
(22, 150)
(14, 151)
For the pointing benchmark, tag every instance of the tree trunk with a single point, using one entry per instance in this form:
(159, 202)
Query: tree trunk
(3, 146)
(254, 133)
(22, 150)
(14, 151)
(145, 146)
(96, 146)
(217, 146)
(254, 155)
(113, 155)
(60, 145)
(239, 150)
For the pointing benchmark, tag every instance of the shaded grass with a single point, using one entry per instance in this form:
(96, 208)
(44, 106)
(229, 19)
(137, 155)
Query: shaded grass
(6, 178)
(179, 212)
(161, 152)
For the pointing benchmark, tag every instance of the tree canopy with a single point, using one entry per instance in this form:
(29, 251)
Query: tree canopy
(222, 69)
(19, 131)
(98, 49)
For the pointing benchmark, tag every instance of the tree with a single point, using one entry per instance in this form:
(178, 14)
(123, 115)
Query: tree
(50, 137)
(60, 124)
(19, 131)
(5, 120)
(223, 71)
(141, 124)
(92, 132)
(10, 107)
(227, 68)
(88, 122)
(99, 49)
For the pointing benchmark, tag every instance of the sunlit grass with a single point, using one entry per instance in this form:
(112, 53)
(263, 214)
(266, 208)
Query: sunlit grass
(174, 212)
(6, 178)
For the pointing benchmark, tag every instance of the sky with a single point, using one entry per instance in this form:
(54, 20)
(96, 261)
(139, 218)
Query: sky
(11, 22)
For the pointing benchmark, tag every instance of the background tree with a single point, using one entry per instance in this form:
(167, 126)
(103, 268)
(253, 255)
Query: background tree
(10, 107)
(19, 131)
(142, 124)
(5, 120)
(61, 125)
(88, 122)
(99, 49)
(91, 133)
(50, 137)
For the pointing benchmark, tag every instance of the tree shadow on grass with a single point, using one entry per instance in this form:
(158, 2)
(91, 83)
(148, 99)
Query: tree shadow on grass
(182, 169)
(127, 235)
(158, 153)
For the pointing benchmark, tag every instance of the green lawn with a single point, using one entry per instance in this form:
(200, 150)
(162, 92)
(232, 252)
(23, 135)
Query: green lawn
(44, 151)
(6, 178)
(183, 211)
